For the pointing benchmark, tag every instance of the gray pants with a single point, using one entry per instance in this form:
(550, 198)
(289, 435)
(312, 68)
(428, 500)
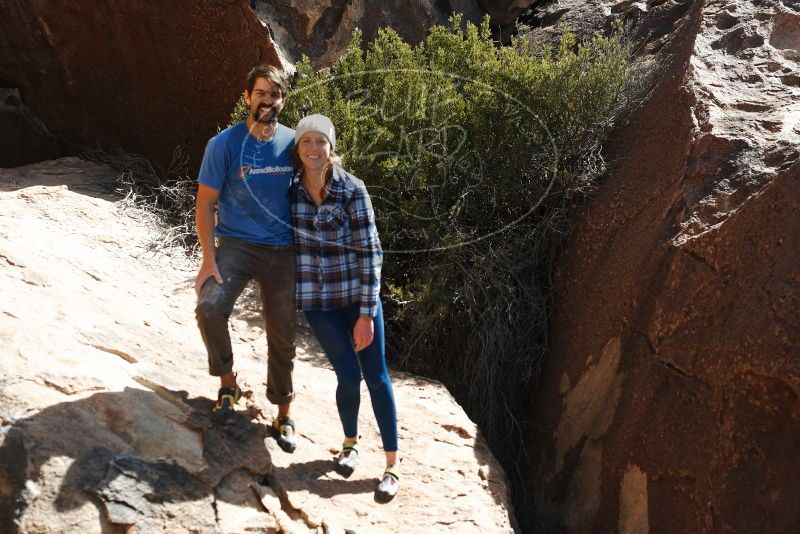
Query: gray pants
(273, 269)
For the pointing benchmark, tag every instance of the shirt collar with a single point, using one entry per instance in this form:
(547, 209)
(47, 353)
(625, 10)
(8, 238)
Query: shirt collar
(338, 175)
(337, 178)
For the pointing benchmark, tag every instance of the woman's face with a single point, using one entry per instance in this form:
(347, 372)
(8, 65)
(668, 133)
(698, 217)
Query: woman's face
(314, 150)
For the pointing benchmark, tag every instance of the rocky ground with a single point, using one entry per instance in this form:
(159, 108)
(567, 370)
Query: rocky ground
(105, 397)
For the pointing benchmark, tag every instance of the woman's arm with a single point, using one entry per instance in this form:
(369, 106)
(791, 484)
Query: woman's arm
(368, 250)
(367, 247)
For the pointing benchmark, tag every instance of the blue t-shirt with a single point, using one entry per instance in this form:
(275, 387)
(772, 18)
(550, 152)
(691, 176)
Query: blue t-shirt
(253, 178)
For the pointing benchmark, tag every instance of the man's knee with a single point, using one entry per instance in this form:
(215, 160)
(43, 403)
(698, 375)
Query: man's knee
(211, 305)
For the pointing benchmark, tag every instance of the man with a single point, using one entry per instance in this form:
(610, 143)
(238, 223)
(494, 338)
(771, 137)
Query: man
(246, 173)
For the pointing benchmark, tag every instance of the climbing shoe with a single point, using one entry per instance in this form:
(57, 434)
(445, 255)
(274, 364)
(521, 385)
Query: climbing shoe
(283, 431)
(347, 459)
(388, 486)
(226, 399)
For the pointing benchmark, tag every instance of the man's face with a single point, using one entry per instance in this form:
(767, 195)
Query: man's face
(265, 101)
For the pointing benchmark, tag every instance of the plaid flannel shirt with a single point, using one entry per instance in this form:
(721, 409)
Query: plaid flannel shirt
(339, 255)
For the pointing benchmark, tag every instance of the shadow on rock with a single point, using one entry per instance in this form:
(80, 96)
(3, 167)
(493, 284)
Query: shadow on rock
(314, 477)
(150, 459)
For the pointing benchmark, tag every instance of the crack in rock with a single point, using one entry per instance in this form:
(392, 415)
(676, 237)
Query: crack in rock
(122, 354)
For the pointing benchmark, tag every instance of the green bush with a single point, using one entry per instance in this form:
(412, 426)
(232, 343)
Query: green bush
(471, 152)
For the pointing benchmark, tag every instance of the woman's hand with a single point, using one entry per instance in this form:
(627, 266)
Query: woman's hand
(363, 332)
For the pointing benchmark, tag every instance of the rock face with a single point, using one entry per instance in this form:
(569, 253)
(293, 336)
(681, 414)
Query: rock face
(670, 402)
(104, 396)
(141, 76)
(146, 78)
(322, 30)
(648, 24)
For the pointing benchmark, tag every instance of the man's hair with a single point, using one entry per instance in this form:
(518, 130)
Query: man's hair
(273, 74)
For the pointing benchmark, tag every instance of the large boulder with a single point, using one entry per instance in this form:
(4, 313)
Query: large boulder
(647, 24)
(140, 76)
(671, 398)
(105, 398)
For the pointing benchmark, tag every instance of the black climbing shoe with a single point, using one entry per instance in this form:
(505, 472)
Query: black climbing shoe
(283, 432)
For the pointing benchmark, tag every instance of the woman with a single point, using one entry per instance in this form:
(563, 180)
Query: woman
(339, 260)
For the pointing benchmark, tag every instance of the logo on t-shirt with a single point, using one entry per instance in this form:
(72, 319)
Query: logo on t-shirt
(247, 171)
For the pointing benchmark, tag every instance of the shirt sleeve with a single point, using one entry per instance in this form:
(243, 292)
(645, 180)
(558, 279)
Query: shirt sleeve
(214, 165)
(367, 248)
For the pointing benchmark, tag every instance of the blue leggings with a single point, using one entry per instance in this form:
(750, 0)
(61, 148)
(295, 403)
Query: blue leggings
(334, 330)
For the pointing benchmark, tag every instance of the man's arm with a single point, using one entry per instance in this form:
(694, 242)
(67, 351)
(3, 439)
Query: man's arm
(204, 219)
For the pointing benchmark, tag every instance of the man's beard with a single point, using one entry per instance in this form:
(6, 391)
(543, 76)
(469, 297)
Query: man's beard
(268, 117)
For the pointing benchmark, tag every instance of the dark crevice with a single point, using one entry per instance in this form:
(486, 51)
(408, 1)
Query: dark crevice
(653, 352)
(106, 526)
(700, 259)
(294, 514)
(214, 506)
(444, 7)
(677, 370)
(328, 24)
